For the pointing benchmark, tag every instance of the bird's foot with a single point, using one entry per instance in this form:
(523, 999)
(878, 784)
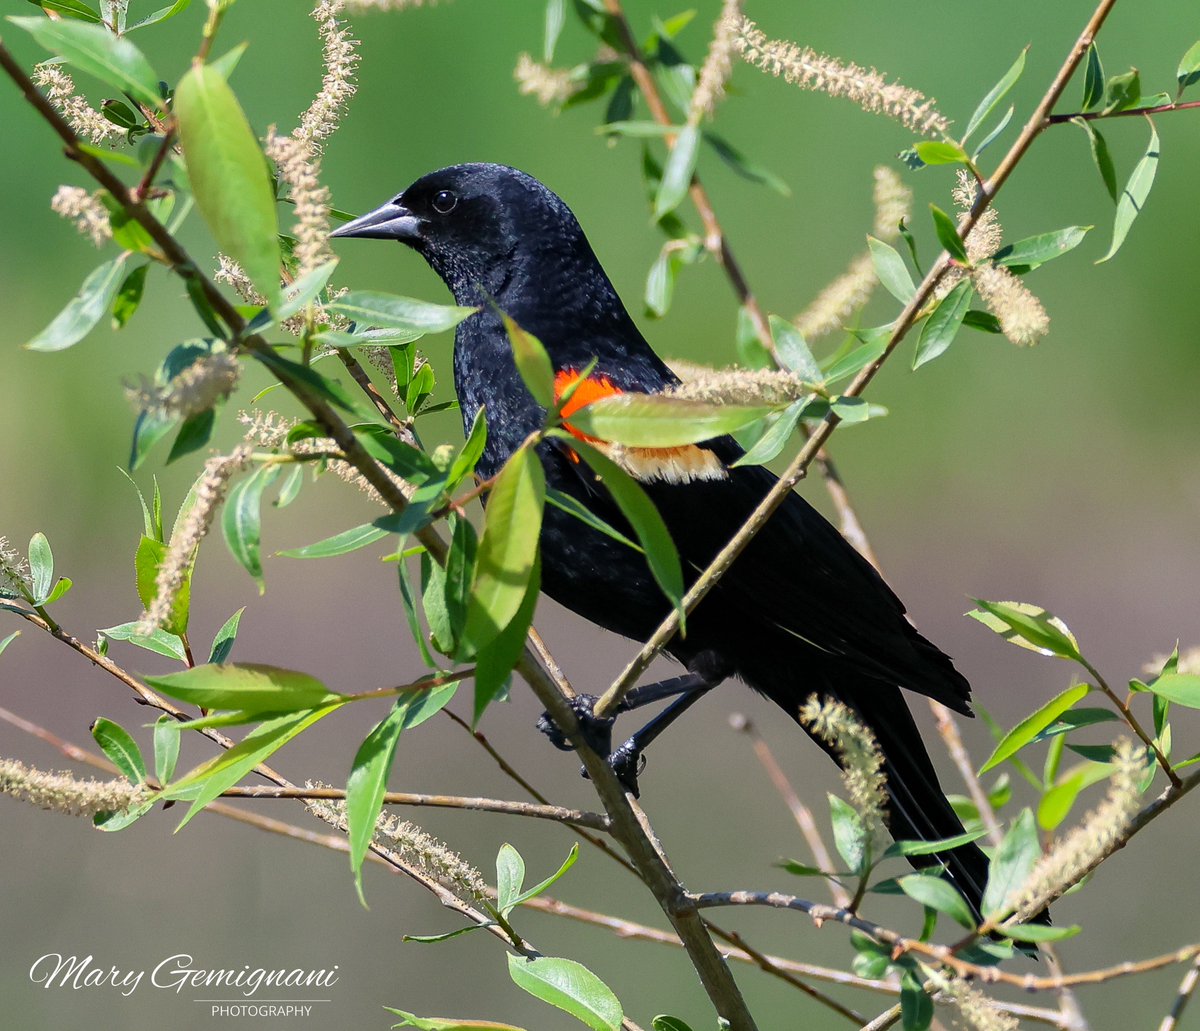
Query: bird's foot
(627, 762)
(596, 730)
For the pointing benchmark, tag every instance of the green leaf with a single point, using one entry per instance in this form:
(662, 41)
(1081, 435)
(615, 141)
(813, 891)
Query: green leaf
(678, 171)
(1028, 254)
(1032, 725)
(1133, 197)
(494, 662)
(744, 167)
(849, 835)
(241, 520)
(1122, 92)
(223, 643)
(573, 506)
(1038, 932)
(9, 640)
(1056, 803)
(247, 687)
(472, 450)
(204, 783)
(367, 783)
(84, 311)
(571, 987)
(194, 434)
(793, 351)
(938, 894)
(891, 270)
(532, 361)
(94, 50)
(166, 748)
(943, 323)
(1093, 79)
(510, 875)
(925, 848)
(938, 152)
(655, 420)
(780, 427)
(162, 14)
(992, 136)
(1011, 864)
(1189, 67)
(149, 557)
(660, 280)
(129, 296)
(947, 234)
(64, 584)
(1181, 688)
(996, 94)
(391, 311)
(541, 886)
(1100, 156)
(1075, 719)
(229, 177)
(116, 742)
(984, 321)
(797, 869)
(556, 16)
(508, 547)
(161, 642)
(339, 544)
(648, 525)
(916, 1008)
(69, 9)
(668, 1023)
(1028, 626)
(298, 294)
(41, 567)
(446, 1023)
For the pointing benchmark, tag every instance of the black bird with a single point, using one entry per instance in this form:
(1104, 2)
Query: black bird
(800, 612)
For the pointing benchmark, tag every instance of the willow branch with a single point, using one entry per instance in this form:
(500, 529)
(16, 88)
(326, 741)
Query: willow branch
(1187, 988)
(798, 468)
(1096, 116)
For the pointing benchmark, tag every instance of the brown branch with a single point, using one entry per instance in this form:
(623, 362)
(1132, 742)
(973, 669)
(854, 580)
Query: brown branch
(1095, 116)
(798, 468)
(559, 814)
(1134, 724)
(1186, 989)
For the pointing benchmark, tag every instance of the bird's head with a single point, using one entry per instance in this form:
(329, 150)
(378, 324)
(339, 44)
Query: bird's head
(478, 225)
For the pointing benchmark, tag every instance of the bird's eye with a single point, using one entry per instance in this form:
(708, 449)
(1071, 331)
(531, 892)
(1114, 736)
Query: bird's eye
(445, 201)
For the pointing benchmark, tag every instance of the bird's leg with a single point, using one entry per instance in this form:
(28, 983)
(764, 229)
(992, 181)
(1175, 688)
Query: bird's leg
(627, 760)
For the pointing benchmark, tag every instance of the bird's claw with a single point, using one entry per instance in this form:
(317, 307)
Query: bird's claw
(627, 762)
(596, 730)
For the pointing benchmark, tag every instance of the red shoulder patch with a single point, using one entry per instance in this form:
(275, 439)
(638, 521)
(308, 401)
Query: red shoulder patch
(588, 390)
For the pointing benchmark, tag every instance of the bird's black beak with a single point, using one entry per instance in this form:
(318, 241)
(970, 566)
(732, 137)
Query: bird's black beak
(390, 221)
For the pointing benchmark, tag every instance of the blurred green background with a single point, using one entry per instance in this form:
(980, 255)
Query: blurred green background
(1067, 475)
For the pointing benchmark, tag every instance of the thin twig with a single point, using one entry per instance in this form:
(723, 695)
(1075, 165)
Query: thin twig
(1186, 989)
(1095, 116)
(559, 814)
(1134, 724)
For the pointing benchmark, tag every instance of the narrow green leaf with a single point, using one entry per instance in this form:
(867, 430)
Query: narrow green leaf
(1180, 688)
(69, 9)
(166, 748)
(678, 171)
(1028, 254)
(655, 420)
(916, 1008)
(849, 835)
(938, 894)
(541, 886)
(116, 742)
(298, 294)
(1101, 157)
(1188, 72)
(947, 234)
(994, 135)
(507, 548)
(1028, 626)
(1033, 724)
(494, 662)
(41, 567)
(573, 506)
(1011, 864)
(925, 848)
(229, 176)
(1122, 92)
(510, 876)
(648, 525)
(1075, 719)
(780, 428)
(9, 640)
(249, 687)
(1093, 79)
(668, 1023)
(94, 50)
(339, 544)
(891, 270)
(84, 311)
(556, 16)
(1039, 932)
(241, 520)
(223, 643)
(1133, 197)
(793, 350)
(161, 642)
(149, 557)
(984, 321)
(1056, 803)
(193, 435)
(996, 94)
(129, 296)
(446, 1023)
(743, 166)
(938, 152)
(119, 821)
(571, 987)
(64, 584)
(472, 450)
(660, 281)
(532, 361)
(204, 783)
(391, 311)
(943, 323)
(162, 14)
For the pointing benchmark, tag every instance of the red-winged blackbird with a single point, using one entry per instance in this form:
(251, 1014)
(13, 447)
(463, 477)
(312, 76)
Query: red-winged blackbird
(800, 612)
